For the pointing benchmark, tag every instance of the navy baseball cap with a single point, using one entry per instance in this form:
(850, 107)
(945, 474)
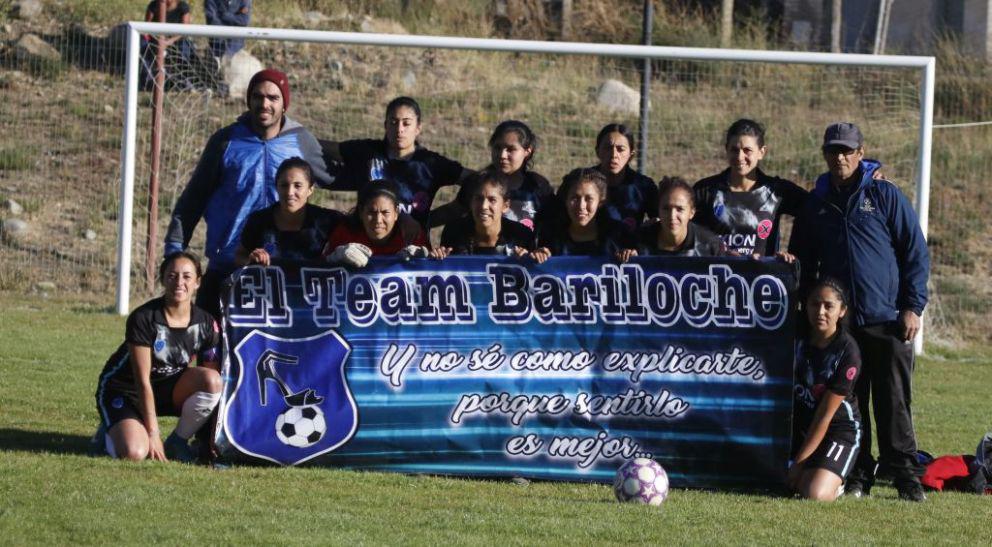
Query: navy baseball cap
(843, 134)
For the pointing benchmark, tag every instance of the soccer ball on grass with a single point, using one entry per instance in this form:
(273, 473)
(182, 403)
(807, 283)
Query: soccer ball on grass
(641, 481)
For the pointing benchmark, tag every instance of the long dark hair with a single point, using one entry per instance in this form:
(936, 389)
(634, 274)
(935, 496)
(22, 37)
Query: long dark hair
(745, 128)
(168, 260)
(838, 288)
(625, 132)
(524, 134)
(295, 162)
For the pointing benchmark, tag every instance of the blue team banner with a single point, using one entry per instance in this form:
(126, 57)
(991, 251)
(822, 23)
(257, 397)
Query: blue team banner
(482, 366)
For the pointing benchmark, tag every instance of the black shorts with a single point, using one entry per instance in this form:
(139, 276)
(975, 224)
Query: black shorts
(115, 404)
(837, 453)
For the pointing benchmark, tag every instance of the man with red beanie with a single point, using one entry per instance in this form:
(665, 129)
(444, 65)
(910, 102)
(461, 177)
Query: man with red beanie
(236, 177)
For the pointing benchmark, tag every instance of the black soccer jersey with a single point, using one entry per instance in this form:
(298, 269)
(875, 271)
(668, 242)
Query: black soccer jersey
(698, 242)
(633, 200)
(261, 232)
(834, 368)
(612, 237)
(528, 201)
(173, 348)
(460, 236)
(748, 222)
(418, 177)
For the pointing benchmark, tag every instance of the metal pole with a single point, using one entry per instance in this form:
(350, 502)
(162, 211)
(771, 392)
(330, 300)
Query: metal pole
(923, 168)
(156, 152)
(125, 211)
(642, 145)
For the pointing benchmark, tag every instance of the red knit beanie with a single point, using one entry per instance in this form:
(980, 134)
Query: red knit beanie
(274, 76)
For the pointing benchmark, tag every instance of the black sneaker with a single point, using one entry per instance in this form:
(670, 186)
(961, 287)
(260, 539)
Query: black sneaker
(856, 489)
(911, 491)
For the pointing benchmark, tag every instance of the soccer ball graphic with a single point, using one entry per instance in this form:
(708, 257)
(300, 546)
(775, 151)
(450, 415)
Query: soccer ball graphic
(301, 426)
(641, 481)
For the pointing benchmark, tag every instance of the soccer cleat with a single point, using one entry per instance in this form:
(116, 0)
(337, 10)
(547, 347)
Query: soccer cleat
(178, 449)
(855, 489)
(911, 491)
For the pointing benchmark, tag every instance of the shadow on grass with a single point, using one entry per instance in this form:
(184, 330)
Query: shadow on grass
(52, 442)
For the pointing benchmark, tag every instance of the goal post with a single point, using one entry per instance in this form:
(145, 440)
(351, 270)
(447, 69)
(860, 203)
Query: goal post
(925, 65)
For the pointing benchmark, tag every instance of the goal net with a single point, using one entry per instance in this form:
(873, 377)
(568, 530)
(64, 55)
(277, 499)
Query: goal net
(341, 83)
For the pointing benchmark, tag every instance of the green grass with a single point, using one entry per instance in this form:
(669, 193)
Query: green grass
(52, 493)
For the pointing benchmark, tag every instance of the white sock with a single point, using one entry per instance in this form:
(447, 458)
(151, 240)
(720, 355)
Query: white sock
(196, 410)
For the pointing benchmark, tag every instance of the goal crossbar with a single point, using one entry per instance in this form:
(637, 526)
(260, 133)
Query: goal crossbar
(926, 64)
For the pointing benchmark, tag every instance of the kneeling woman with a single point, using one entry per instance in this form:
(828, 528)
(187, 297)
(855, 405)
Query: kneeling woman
(826, 421)
(674, 234)
(375, 229)
(292, 229)
(587, 229)
(484, 231)
(167, 365)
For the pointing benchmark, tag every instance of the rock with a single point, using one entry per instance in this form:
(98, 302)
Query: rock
(615, 96)
(12, 207)
(45, 286)
(409, 80)
(13, 228)
(89, 234)
(27, 9)
(30, 47)
(335, 65)
(381, 26)
(314, 17)
(108, 109)
(236, 71)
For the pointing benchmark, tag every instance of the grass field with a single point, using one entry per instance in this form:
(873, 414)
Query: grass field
(52, 493)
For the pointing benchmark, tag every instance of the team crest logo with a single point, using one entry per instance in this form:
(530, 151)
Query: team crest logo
(764, 229)
(867, 206)
(291, 402)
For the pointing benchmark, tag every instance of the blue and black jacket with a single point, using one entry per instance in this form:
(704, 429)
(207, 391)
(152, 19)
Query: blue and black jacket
(874, 245)
(235, 177)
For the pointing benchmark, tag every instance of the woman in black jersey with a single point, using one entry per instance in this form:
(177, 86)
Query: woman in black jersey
(742, 204)
(484, 231)
(291, 229)
(586, 230)
(631, 197)
(399, 158)
(826, 422)
(512, 146)
(167, 365)
(673, 234)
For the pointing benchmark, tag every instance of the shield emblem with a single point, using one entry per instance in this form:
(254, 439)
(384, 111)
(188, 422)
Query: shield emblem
(291, 402)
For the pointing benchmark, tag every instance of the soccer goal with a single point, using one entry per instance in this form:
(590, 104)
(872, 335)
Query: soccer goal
(341, 82)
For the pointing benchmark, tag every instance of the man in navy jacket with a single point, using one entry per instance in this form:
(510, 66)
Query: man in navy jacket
(864, 232)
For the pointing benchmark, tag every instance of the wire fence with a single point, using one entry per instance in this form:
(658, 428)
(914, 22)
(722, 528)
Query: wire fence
(61, 135)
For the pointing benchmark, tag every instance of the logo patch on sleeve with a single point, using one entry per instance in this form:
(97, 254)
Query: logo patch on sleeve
(851, 373)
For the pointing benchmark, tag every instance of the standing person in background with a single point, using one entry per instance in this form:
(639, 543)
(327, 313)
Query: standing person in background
(863, 232)
(512, 147)
(631, 196)
(742, 204)
(236, 176)
(230, 13)
(398, 157)
(179, 50)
